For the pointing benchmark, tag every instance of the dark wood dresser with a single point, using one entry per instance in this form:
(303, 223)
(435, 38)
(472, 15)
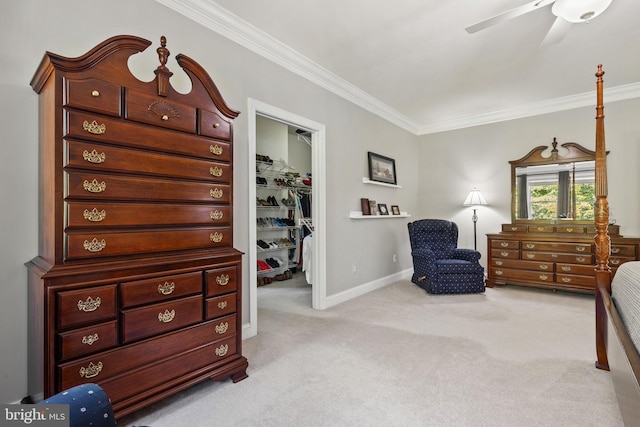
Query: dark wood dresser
(137, 286)
(552, 256)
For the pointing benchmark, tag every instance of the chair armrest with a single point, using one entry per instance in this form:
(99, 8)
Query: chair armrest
(470, 255)
(424, 253)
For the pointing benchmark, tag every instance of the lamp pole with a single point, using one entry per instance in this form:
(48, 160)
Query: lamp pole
(474, 218)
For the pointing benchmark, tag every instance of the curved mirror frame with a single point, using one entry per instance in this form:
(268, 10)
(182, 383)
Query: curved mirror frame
(552, 185)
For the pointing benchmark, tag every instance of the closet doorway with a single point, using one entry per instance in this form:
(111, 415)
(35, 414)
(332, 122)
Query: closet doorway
(312, 133)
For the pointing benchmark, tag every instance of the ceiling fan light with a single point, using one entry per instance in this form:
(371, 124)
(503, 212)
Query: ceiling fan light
(577, 11)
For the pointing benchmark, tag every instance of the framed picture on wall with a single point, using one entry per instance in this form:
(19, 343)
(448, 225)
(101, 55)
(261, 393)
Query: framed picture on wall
(381, 168)
(395, 209)
(383, 209)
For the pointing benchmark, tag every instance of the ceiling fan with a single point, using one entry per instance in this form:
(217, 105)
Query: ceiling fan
(568, 12)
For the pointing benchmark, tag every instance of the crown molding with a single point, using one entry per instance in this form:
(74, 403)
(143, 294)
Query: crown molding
(220, 20)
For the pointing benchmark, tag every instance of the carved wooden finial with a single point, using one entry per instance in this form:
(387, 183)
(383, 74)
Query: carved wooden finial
(162, 72)
(554, 151)
(599, 73)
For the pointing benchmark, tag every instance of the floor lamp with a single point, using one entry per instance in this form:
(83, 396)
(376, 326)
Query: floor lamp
(475, 199)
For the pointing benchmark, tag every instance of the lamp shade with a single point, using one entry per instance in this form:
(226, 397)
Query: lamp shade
(475, 199)
(577, 11)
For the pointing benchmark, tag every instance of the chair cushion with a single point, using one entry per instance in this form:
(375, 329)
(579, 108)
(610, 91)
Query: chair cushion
(457, 266)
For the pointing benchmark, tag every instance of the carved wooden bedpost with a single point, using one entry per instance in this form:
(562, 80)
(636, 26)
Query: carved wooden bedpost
(602, 239)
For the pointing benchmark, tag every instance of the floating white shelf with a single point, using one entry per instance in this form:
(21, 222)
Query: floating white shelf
(384, 184)
(358, 215)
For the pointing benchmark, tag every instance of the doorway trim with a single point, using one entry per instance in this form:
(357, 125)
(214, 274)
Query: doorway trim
(318, 207)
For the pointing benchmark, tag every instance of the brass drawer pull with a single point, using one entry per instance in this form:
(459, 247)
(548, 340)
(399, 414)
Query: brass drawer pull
(216, 171)
(543, 277)
(504, 253)
(94, 127)
(216, 193)
(615, 250)
(504, 244)
(554, 255)
(94, 186)
(222, 350)
(566, 280)
(222, 328)
(90, 339)
(540, 228)
(222, 280)
(543, 267)
(530, 246)
(167, 316)
(216, 149)
(566, 268)
(89, 305)
(216, 237)
(498, 262)
(94, 215)
(222, 305)
(91, 371)
(531, 256)
(166, 288)
(95, 245)
(216, 125)
(580, 258)
(499, 272)
(569, 229)
(514, 228)
(165, 117)
(216, 215)
(95, 93)
(581, 248)
(614, 261)
(93, 156)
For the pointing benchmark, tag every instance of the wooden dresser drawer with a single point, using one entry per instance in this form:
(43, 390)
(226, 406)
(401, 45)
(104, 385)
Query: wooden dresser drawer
(522, 264)
(165, 370)
(584, 270)
(158, 111)
(103, 243)
(623, 250)
(84, 185)
(570, 229)
(616, 261)
(505, 244)
(102, 158)
(108, 214)
(571, 279)
(515, 275)
(92, 339)
(98, 367)
(131, 134)
(558, 257)
(505, 253)
(160, 289)
(147, 321)
(225, 327)
(93, 95)
(541, 229)
(514, 228)
(219, 306)
(215, 125)
(85, 306)
(221, 281)
(578, 248)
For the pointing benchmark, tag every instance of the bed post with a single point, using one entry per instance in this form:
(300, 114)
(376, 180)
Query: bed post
(602, 239)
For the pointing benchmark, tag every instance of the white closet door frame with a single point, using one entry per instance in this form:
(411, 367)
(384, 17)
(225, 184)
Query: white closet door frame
(318, 208)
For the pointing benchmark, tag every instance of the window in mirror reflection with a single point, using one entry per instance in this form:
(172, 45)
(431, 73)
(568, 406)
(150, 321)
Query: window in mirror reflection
(559, 191)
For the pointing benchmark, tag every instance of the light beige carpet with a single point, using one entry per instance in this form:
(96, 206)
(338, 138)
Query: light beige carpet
(400, 357)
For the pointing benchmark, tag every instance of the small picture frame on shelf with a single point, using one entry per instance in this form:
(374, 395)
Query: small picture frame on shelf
(383, 209)
(395, 210)
(373, 207)
(381, 168)
(364, 205)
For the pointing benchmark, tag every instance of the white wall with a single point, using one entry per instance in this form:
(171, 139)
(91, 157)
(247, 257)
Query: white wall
(453, 162)
(72, 27)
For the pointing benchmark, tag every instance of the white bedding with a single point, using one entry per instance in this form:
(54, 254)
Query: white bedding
(625, 292)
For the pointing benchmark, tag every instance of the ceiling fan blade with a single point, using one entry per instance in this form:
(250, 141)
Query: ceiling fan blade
(510, 14)
(556, 33)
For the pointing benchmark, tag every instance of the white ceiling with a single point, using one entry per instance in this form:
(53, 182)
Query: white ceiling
(413, 63)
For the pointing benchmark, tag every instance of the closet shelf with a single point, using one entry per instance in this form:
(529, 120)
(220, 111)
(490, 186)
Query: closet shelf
(358, 215)
(384, 184)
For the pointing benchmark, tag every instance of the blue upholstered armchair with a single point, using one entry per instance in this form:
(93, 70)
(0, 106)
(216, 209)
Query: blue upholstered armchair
(439, 266)
(88, 404)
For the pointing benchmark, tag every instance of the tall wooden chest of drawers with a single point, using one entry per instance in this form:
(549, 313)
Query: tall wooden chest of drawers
(552, 256)
(137, 286)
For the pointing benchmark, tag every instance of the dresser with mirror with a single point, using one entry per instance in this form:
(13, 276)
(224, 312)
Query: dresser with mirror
(550, 240)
